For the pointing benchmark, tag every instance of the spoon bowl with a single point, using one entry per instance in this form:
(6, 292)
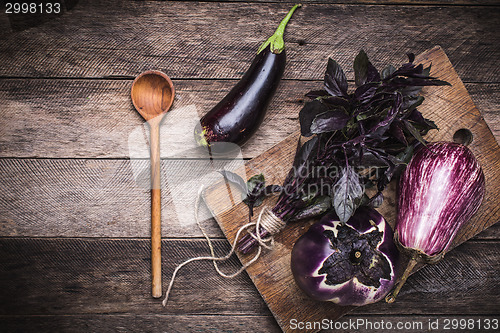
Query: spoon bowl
(152, 95)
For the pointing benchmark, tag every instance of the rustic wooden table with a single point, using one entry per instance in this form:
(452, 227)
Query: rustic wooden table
(74, 220)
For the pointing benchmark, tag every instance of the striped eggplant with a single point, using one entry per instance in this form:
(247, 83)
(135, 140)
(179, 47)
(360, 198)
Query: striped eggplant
(352, 263)
(440, 190)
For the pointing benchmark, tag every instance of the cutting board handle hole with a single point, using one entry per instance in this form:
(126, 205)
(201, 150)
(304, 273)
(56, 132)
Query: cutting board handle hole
(463, 136)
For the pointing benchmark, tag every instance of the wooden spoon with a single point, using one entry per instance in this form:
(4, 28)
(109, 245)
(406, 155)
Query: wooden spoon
(152, 94)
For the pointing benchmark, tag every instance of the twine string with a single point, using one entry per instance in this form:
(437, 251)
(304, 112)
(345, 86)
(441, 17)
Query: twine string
(269, 221)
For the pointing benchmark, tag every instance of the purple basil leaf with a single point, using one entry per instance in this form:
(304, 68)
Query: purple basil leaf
(377, 200)
(405, 69)
(396, 130)
(255, 201)
(427, 71)
(316, 93)
(413, 131)
(411, 57)
(402, 82)
(300, 163)
(382, 183)
(371, 160)
(291, 172)
(255, 183)
(318, 206)
(236, 180)
(334, 101)
(255, 195)
(417, 118)
(410, 103)
(388, 72)
(406, 155)
(372, 75)
(273, 189)
(335, 80)
(366, 92)
(364, 71)
(417, 72)
(411, 91)
(409, 70)
(390, 171)
(431, 124)
(304, 155)
(347, 194)
(391, 115)
(329, 121)
(360, 68)
(307, 115)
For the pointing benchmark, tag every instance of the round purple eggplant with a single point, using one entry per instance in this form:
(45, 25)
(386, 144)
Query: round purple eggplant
(352, 263)
(238, 115)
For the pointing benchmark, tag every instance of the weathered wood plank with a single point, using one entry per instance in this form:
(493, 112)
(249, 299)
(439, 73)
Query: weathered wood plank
(110, 38)
(96, 119)
(139, 323)
(78, 276)
(378, 2)
(487, 99)
(111, 276)
(228, 323)
(492, 232)
(104, 198)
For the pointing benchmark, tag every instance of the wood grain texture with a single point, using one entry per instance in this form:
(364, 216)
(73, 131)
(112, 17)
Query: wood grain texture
(379, 2)
(488, 104)
(450, 107)
(219, 40)
(155, 167)
(74, 277)
(92, 276)
(102, 198)
(372, 2)
(226, 323)
(96, 119)
(139, 323)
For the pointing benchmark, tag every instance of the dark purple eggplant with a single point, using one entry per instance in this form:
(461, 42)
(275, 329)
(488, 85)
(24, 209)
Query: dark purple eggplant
(238, 116)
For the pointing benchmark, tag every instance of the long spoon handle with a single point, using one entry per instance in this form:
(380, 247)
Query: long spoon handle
(155, 209)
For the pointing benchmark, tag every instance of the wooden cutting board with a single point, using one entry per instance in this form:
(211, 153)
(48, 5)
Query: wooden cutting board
(450, 107)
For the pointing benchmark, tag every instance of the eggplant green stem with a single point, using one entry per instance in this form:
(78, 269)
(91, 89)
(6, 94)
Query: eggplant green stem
(276, 41)
(391, 297)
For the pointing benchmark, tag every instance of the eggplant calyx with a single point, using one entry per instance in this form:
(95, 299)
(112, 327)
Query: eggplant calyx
(201, 138)
(416, 253)
(276, 42)
(355, 255)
